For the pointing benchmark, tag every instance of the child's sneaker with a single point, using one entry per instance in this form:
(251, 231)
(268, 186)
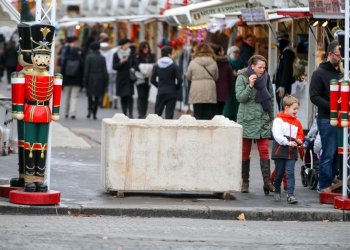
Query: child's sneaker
(291, 199)
(277, 196)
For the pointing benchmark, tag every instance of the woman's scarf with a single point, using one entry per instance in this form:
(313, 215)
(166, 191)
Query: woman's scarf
(262, 96)
(236, 64)
(123, 53)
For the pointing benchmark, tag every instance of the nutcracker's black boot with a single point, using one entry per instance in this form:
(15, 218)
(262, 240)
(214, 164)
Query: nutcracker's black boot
(17, 182)
(41, 187)
(40, 171)
(29, 170)
(29, 187)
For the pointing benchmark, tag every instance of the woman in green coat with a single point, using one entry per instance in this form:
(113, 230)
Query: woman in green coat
(231, 107)
(255, 113)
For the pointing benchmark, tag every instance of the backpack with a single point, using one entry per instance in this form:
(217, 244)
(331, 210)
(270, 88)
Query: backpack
(72, 67)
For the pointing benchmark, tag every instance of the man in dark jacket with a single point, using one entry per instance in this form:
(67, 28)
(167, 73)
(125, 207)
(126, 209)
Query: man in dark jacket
(72, 71)
(167, 72)
(95, 78)
(247, 48)
(319, 95)
(284, 77)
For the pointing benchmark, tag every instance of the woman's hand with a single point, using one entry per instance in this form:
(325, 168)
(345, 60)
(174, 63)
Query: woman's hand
(294, 144)
(132, 70)
(252, 80)
(280, 91)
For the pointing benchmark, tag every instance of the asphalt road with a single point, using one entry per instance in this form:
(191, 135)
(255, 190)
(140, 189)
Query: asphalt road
(118, 233)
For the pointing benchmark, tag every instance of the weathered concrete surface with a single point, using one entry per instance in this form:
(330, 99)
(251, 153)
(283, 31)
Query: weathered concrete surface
(63, 137)
(177, 155)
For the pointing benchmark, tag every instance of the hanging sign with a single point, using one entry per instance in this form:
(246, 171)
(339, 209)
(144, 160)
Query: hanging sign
(324, 6)
(254, 14)
(202, 16)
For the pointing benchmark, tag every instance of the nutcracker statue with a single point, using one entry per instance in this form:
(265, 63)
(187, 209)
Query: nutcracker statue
(17, 78)
(33, 106)
(339, 113)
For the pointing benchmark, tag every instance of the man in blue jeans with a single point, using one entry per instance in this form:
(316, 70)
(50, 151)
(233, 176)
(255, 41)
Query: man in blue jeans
(319, 95)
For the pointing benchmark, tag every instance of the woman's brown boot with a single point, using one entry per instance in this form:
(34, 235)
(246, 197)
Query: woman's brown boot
(265, 170)
(245, 176)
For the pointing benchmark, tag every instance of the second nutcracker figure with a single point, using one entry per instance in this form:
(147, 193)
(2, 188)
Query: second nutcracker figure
(34, 98)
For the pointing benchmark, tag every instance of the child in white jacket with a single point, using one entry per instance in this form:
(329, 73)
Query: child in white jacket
(288, 133)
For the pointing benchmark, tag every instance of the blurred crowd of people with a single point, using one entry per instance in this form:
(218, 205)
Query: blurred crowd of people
(204, 76)
(206, 83)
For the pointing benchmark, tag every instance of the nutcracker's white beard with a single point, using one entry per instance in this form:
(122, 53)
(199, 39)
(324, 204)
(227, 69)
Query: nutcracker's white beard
(123, 53)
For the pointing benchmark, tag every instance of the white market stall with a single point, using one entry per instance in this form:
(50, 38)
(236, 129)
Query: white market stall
(9, 16)
(300, 89)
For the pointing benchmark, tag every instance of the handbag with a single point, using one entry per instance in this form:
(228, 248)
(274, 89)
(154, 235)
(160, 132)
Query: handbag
(106, 102)
(72, 67)
(133, 77)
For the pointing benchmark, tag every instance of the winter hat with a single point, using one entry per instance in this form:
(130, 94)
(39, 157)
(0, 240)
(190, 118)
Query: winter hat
(95, 46)
(232, 49)
(124, 41)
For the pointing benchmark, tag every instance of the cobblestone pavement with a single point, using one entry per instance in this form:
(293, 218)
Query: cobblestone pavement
(123, 233)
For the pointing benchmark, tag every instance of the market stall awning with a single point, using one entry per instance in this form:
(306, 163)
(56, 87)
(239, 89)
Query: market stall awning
(69, 24)
(147, 19)
(295, 12)
(71, 2)
(195, 14)
(93, 20)
(131, 17)
(9, 16)
(271, 18)
(66, 21)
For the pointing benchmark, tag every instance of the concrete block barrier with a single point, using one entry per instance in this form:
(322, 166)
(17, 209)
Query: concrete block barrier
(185, 155)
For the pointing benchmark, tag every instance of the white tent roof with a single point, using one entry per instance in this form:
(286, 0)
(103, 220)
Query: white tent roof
(69, 22)
(147, 19)
(304, 9)
(119, 7)
(188, 8)
(71, 2)
(272, 18)
(9, 16)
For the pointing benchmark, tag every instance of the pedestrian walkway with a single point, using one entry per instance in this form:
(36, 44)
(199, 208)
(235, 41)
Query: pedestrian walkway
(75, 172)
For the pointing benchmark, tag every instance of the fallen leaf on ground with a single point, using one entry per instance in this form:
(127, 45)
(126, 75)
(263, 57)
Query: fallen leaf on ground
(104, 238)
(325, 220)
(69, 213)
(241, 217)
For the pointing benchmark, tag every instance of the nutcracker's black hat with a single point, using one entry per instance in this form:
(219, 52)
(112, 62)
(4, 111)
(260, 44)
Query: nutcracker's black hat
(25, 45)
(41, 36)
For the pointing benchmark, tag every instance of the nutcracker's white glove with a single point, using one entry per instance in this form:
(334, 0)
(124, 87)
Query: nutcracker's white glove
(19, 116)
(55, 117)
